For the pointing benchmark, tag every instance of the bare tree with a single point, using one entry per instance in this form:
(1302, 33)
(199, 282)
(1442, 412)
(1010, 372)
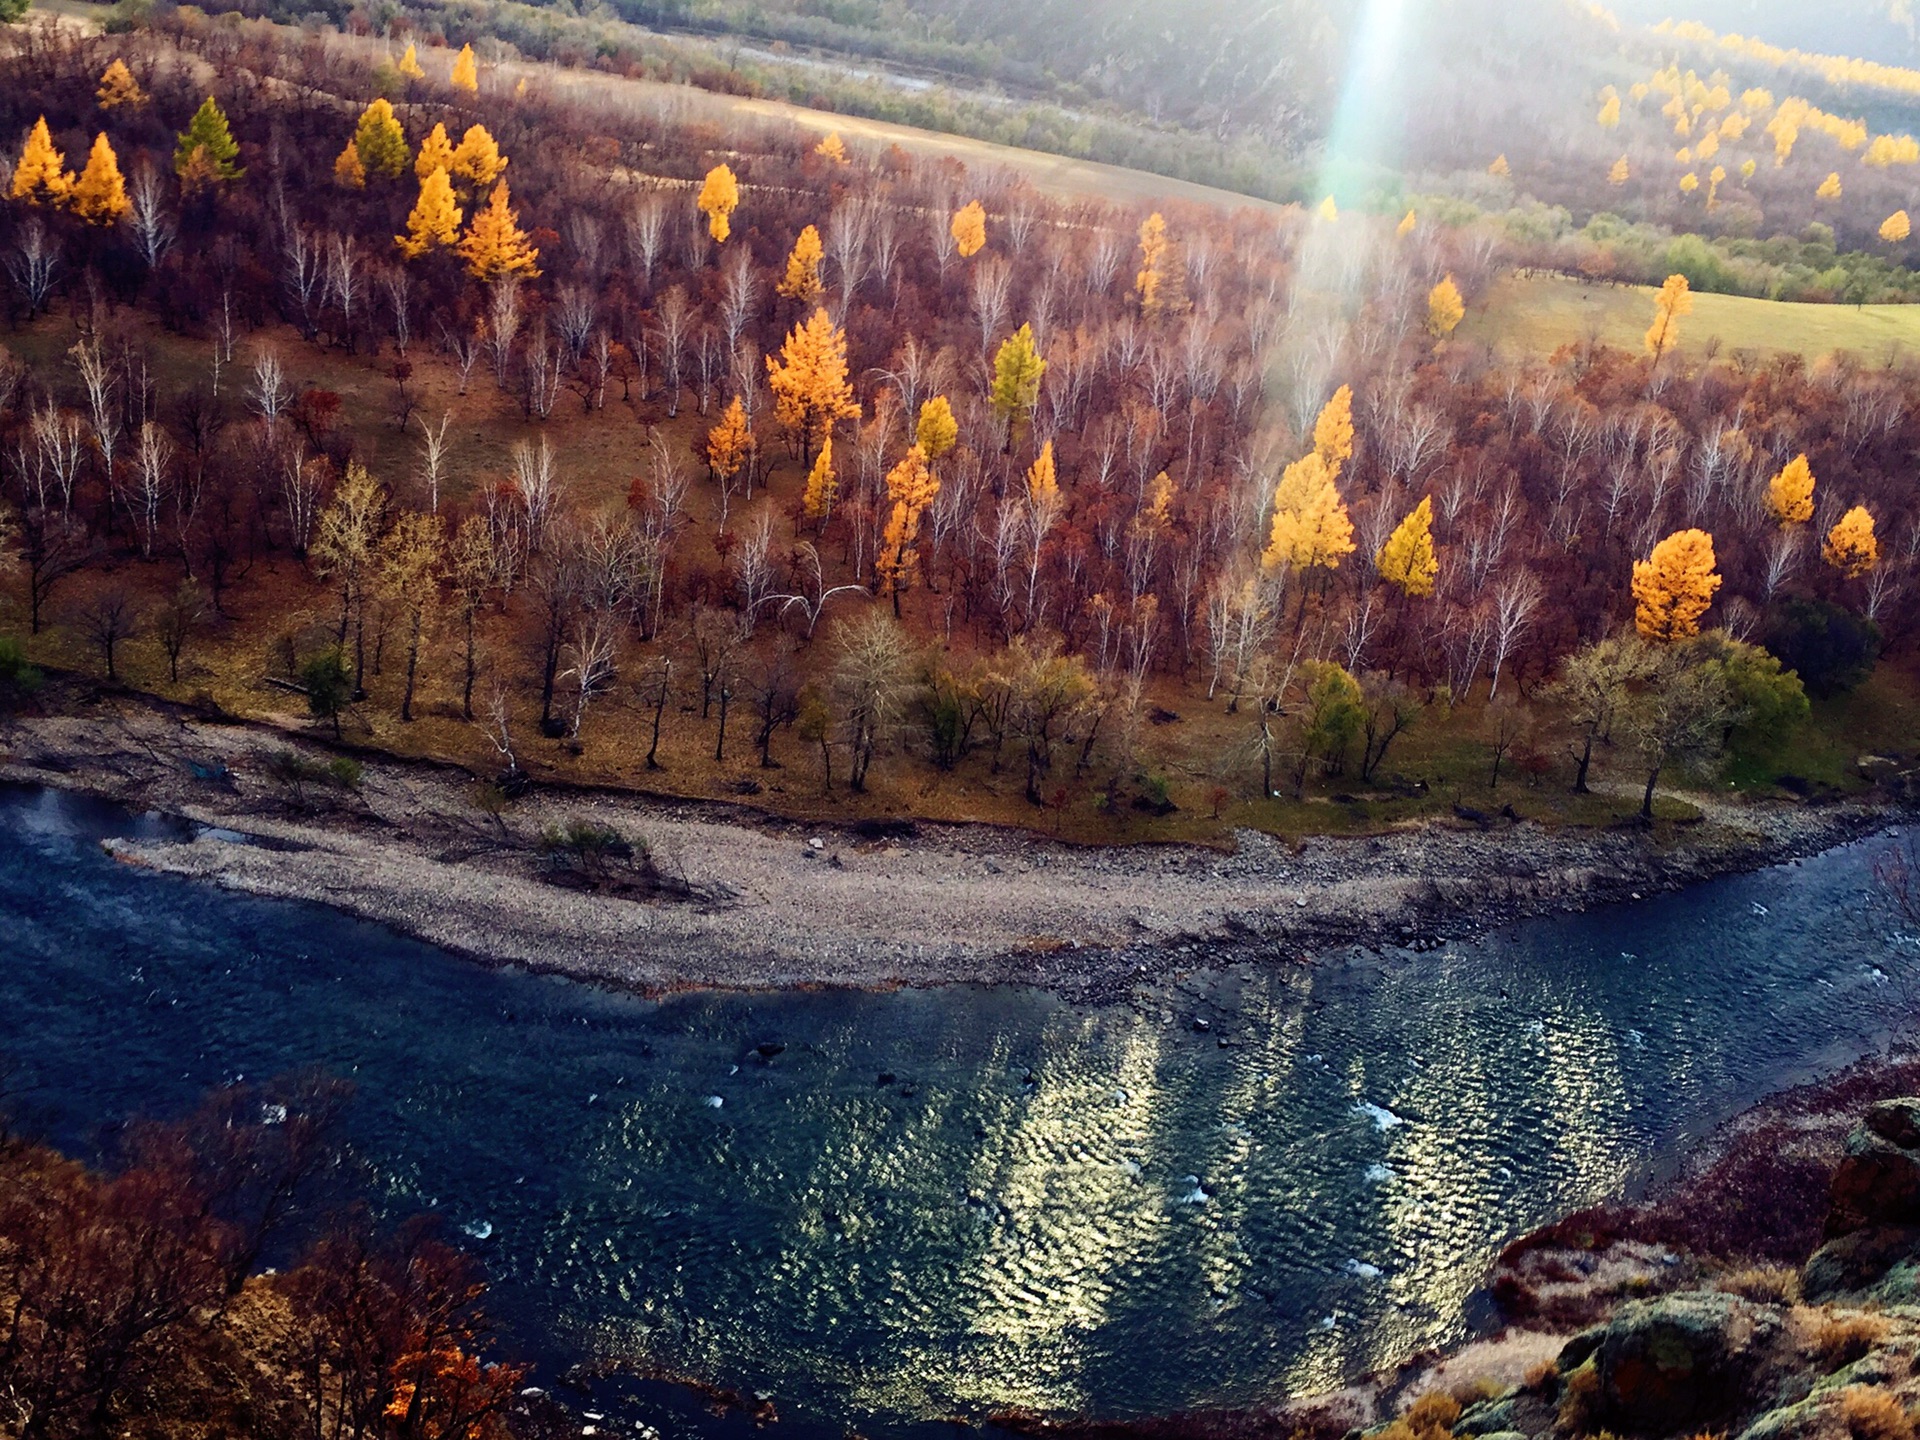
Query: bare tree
(647, 233)
(736, 297)
(1515, 599)
(672, 323)
(34, 264)
(301, 276)
(536, 487)
(268, 395)
(433, 458)
(396, 284)
(502, 327)
(152, 467)
(154, 226)
(107, 619)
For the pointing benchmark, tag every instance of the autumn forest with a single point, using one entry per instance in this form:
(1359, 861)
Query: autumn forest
(453, 410)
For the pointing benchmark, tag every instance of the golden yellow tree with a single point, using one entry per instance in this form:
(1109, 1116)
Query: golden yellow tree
(466, 72)
(822, 485)
(719, 198)
(937, 431)
(477, 159)
(832, 150)
(1748, 167)
(1674, 300)
(435, 220)
(912, 488)
(1406, 226)
(1689, 183)
(409, 64)
(118, 87)
(436, 153)
(809, 380)
(495, 246)
(410, 567)
(1017, 371)
(1329, 210)
(348, 172)
(1674, 586)
(802, 280)
(1333, 432)
(1610, 112)
(1620, 173)
(1830, 188)
(1896, 227)
(100, 195)
(1445, 309)
(1499, 166)
(969, 229)
(1043, 479)
(1153, 263)
(41, 176)
(1790, 493)
(1311, 528)
(381, 141)
(730, 442)
(1408, 560)
(1850, 546)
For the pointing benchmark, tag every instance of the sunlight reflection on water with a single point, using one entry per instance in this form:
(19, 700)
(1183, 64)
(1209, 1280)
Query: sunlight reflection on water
(958, 1201)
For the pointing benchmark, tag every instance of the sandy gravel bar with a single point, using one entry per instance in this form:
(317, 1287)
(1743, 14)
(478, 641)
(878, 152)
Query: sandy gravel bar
(793, 905)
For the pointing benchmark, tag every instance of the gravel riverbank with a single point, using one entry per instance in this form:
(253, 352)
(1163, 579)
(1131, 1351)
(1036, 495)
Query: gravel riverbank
(786, 904)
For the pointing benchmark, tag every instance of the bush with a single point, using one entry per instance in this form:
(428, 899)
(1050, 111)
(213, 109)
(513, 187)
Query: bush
(1843, 1339)
(1870, 1413)
(588, 848)
(1770, 1285)
(328, 685)
(1833, 650)
(18, 679)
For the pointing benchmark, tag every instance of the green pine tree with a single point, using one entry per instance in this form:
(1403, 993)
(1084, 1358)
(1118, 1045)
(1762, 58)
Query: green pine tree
(383, 144)
(207, 138)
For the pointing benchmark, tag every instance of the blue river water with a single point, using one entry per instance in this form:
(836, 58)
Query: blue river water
(947, 1203)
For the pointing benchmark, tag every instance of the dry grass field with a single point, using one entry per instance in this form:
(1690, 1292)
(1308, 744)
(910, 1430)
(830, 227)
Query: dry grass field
(1523, 314)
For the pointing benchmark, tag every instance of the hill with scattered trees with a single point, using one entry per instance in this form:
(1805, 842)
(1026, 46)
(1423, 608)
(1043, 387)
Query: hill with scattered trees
(544, 430)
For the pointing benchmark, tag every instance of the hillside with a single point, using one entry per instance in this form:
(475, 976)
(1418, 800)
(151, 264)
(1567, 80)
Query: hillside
(1531, 314)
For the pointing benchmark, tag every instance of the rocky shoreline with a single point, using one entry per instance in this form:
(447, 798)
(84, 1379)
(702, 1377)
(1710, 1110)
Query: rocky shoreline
(767, 903)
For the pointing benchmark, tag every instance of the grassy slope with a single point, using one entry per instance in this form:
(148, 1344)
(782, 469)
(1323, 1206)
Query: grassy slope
(1537, 314)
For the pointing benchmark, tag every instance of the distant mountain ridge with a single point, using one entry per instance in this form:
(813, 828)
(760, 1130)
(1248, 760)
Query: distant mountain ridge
(1884, 30)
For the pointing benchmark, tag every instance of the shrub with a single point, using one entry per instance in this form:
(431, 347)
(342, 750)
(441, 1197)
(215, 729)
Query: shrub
(1832, 649)
(1433, 1413)
(588, 848)
(1771, 1285)
(1843, 1339)
(1870, 1413)
(18, 679)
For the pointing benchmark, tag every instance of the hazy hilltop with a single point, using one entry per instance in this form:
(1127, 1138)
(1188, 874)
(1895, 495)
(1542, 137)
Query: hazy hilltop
(1883, 30)
(1273, 70)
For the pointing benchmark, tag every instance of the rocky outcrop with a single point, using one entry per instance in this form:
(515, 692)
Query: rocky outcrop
(1660, 1365)
(1873, 1225)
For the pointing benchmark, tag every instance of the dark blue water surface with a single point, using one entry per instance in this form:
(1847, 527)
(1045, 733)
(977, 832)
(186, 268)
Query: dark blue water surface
(1069, 1210)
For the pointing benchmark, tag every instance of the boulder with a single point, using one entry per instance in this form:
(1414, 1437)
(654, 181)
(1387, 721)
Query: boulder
(1878, 1181)
(1489, 1418)
(1856, 1261)
(1664, 1365)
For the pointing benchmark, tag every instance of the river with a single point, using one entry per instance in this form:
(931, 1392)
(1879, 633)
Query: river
(883, 1209)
